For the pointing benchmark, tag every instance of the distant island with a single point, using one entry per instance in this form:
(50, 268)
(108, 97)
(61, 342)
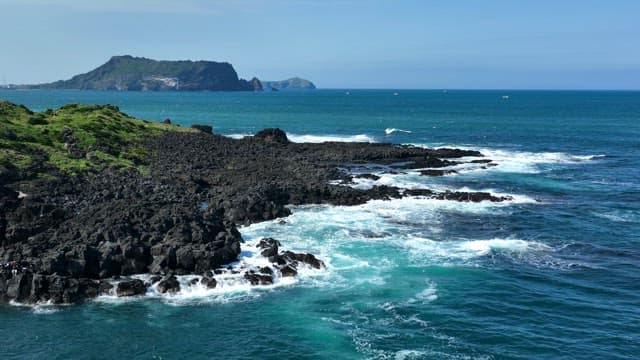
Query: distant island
(128, 73)
(289, 84)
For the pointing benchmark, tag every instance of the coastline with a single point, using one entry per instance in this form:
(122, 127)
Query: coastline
(68, 237)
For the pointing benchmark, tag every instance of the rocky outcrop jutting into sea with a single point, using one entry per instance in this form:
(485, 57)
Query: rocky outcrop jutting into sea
(164, 202)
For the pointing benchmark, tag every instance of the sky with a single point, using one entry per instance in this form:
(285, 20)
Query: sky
(402, 44)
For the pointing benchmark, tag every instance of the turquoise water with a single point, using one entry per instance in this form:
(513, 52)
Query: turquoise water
(553, 274)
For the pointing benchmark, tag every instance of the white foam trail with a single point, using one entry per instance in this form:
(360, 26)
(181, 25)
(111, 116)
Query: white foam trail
(40, 308)
(618, 216)
(408, 180)
(409, 355)
(428, 251)
(485, 247)
(308, 138)
(390, 131)
(526, 162)
(45, 310)
(330, 138)
(427, 295)
(238, 136)
(516, 161)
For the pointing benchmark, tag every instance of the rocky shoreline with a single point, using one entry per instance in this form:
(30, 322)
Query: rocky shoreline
(66, 239)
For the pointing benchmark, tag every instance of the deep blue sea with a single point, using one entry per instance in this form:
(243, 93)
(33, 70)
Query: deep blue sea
(555, 273)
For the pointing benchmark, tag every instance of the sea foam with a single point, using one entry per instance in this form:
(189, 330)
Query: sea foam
(231, 284)
(316, 138)
(390, 131)
(306, 138)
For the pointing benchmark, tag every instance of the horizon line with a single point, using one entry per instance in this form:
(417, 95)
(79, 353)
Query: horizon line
(442, 89)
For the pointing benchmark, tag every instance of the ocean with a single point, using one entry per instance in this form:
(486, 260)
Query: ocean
(554, 273)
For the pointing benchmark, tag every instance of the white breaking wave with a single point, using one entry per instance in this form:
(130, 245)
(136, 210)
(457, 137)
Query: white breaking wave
(518, 161)
(390, 131)
(485, 247)
(346, 237)
(231, 284)
(429, 251)
(525, 162)
(358, 244)
(238, 136)
(306, 138)
(412, 180)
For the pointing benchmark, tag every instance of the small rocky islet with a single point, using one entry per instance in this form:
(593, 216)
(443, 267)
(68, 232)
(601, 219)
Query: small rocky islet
(90, 197)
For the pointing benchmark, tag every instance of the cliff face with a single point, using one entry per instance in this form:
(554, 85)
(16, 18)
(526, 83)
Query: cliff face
(140, 74)
(295, 83)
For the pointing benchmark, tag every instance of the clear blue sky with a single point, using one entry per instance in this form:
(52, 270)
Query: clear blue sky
(560, 44)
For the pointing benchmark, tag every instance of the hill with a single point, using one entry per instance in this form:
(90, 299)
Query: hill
(128, 73)
(72, 139)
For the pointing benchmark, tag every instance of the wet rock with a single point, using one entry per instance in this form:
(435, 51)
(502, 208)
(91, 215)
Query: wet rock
(258, 279)
(437, 172)
(130, 288)
(308, 259)
(288, 270)
(368, 176)
(19, 287)
(169, 284)
(471, 196)
(39, 288)
(209, 282)
(272, 136)
(105, 287)
(269, 246)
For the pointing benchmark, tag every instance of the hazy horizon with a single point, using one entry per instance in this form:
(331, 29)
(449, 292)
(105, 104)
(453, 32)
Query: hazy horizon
(342, 44)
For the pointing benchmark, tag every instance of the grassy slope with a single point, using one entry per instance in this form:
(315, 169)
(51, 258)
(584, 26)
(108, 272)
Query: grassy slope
(107, 136)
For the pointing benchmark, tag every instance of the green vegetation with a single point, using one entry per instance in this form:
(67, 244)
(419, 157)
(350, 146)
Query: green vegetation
(73, 139)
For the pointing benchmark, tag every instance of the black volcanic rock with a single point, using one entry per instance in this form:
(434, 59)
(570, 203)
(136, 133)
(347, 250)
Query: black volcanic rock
(272, 135)
(130, 288)
(169, 284)
(75, 233)
(203, 128)
(140, 74)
